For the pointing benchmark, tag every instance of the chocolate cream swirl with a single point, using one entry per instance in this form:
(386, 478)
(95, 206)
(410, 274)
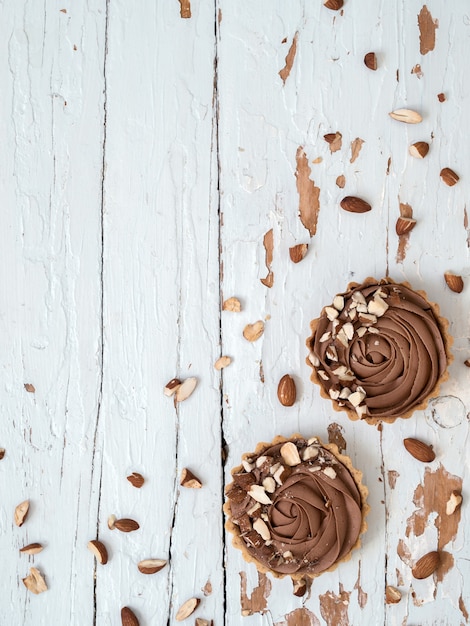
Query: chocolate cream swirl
(314, 518)
(392, 354)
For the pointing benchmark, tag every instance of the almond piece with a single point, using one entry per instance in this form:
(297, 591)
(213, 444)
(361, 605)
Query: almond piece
(200, 621)
(454, 282)
(355, 205)
(252, 332)
(186, 609)
(185, 389)
(136, 480)
(188, 479)
(99, 550)
(467, 362)
(300, 587)
(128, 617)
(421, 451)
(298, 252)
(112, 522)
(286, 390)
(334, 5)
(2, 453)
(35, 582)
(453, 503)
(151, 566)
(341, 181)
(419, 149)
(392, 595)
(126, 525)
(262, 529)
(407, 116)
(223, 361)
(449, 177)
(258, 493)
(232, 304)
(290, 454)
(21, 513)
(426, 565)
(172, 386)
(404, 225)
(370, 61)
(29, 388)
(32, 548)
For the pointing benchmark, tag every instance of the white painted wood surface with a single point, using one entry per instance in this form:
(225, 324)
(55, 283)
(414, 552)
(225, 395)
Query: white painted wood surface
(144, 156)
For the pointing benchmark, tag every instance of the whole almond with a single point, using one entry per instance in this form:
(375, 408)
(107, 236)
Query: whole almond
(35, 582)
(128, 617)
(21, 513)
(355, 205)
(419, 149)
(232, 304)
(334, 5)
(286, 390)
(404, 225)
(454, 282)
(421, 451)
(188, 479)
(136, 480)
(99, 550)
(185, 389)
(426, 565)
(407, 116)
(186, 609)
(298, 252)
(392, 595)
(370, 61)
(126, 525)
(151, 566)
(32, 548)
(449, 177)
(252, 332)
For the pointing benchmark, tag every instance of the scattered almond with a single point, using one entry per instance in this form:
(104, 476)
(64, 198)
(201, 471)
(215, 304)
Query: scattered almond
(298, 252)
(232, 304)
(370, 61)
(202, 622)
(252, 332)
(341, 181)
(419, 149)
(290, 454)
(334, 5)
(2, 453)
(112, 522)
(404, 225)
(172, 386)
(35, 582)
(355, 205)
(128, 617)
(136, 480)
(99, 550)
(21, 513)
(453, 503)
(441, 97)
(126, 525)
(32, 548)
(467, 362)
(188, 479)
(151, 566)
(449, 177)
(426, 565)
(421, 451)
(300, 587)
(454, 282)
(392, 595)
(222, 362)
(187, 609)
(286, 390)
(407, 116)
(185, 389)
(29, 387)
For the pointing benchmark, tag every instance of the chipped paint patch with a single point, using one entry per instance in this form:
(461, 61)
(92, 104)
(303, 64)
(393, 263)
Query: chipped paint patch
(286, 70)
(427, 30)
(361, 594)
(309, 195)
(405, 211)
(299, 617)
(268, 243)
(334, 607)
(431, 497)
(417, 71)
(392, 476)
(356, 146)
(257, 601)
(463, 609)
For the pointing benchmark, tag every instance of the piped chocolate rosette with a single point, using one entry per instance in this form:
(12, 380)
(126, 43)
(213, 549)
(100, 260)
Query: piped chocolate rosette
(379, 351)
(296, 507)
